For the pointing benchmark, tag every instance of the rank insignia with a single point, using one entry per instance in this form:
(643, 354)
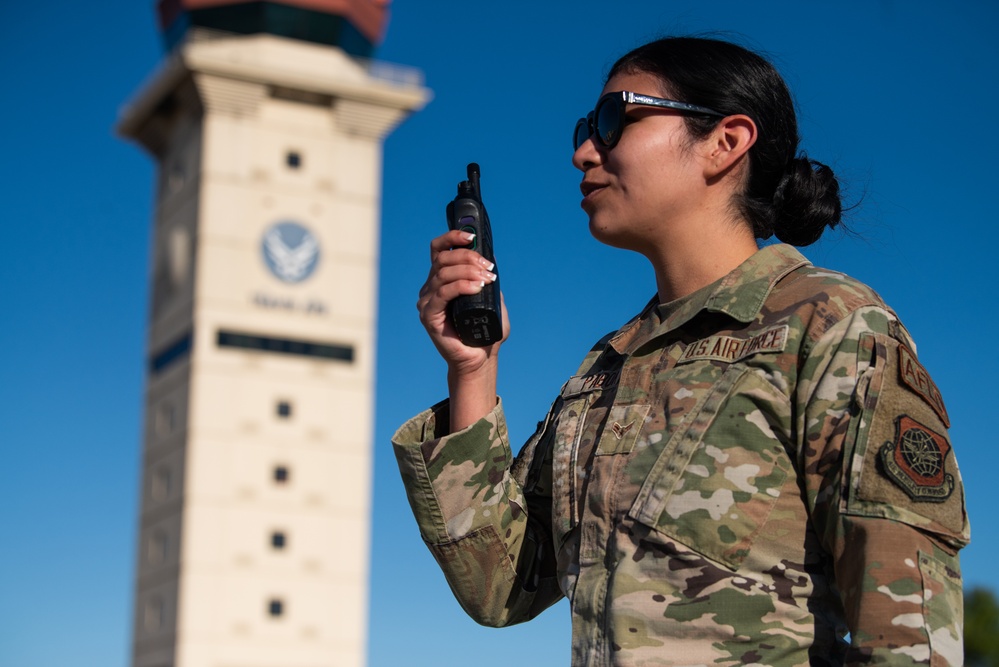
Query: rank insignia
(915, 461)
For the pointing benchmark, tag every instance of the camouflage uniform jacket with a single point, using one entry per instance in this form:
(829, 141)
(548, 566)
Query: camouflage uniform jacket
(758, 473)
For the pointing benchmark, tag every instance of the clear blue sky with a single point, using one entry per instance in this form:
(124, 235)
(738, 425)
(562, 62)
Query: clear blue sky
(897, 96)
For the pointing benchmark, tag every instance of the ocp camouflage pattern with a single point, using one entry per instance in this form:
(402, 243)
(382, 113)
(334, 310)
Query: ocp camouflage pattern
(757, 474)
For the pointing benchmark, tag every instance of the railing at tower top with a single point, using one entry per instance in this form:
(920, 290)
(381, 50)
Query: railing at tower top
(391, 72)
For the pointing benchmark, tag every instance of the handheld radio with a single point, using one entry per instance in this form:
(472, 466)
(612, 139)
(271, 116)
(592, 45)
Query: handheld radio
(476, 317)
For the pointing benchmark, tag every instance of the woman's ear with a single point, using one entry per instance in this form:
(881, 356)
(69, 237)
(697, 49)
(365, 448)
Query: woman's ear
(730, 140)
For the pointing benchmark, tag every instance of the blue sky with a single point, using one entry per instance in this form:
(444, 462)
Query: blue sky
(896, 96)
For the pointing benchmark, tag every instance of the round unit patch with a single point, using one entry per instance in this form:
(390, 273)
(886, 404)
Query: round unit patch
(290, 251)
(915, 461)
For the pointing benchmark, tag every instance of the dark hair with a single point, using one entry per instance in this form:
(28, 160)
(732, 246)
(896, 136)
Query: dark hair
(786, 195)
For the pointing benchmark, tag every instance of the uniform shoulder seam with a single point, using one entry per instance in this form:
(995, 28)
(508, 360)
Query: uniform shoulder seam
(850, 292)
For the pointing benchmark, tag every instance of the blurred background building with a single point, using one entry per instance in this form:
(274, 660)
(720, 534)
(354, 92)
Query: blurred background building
(266, 121)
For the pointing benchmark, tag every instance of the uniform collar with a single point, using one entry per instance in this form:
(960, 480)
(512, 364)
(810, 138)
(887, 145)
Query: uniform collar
(740, 295)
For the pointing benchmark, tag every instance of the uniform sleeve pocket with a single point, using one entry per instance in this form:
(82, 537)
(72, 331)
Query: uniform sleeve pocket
(942, 611)
(902, 464)
(716, 481)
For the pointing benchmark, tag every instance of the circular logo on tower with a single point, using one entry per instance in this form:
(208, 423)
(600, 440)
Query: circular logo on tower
(290, 251)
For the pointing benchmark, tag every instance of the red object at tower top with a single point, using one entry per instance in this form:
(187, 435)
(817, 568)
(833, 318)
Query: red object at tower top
(368, 17)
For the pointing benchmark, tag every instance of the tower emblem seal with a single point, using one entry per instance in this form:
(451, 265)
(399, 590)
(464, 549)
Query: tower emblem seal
(290, 251)
(915, 461)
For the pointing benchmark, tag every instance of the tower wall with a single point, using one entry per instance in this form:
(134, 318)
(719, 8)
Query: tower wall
(257, 469)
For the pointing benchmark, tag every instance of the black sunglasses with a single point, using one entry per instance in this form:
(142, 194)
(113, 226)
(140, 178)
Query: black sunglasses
(606, 121)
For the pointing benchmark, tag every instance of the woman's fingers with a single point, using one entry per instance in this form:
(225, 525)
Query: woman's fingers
(445, 242)
(450, 248)
(450, 282)
(454, 271)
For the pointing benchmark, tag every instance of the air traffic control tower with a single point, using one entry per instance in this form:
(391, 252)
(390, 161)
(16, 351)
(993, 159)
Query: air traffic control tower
(266, 121)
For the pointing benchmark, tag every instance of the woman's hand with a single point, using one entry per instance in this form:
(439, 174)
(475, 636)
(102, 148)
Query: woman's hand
(471, 370)
(455, 272)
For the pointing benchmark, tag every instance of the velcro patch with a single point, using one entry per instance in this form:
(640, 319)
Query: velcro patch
(915, 377)
(730, 348)
(582, 384)
(914, 461)
(624, 424)
(902, 463)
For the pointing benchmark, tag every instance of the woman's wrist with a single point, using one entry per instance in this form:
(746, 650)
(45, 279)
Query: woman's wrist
(473, 393)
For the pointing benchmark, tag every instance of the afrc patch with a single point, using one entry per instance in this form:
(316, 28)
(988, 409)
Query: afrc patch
(915, 377)
(915, 461)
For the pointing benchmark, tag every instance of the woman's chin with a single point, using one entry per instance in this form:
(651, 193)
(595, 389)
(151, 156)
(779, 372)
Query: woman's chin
(609, 235)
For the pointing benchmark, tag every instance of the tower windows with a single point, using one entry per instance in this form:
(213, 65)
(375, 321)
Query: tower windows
(179, 349)
(284, 409)
(278, 540)
(176, 177)
(281, 475)
(293, 159)
(301, 96)
(297, 347)
(157, 547)
(152, 618)
(275, 608)
(161, 483)
(166, 418)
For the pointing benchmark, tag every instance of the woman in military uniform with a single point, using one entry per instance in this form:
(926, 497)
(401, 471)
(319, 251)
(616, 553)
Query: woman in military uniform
(756, 468)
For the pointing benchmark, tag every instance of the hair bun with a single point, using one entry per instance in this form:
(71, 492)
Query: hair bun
(806, 202)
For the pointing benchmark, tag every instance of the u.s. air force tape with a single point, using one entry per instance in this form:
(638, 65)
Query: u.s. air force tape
(731, 348)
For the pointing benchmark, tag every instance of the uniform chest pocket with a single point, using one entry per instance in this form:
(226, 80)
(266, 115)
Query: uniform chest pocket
(620, 433)
(716, 480)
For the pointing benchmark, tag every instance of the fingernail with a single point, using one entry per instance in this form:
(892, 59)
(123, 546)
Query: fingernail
(490, 277)
(486, 264)
(468, 236)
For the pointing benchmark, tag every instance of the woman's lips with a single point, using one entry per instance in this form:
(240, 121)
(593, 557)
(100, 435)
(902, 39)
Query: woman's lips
(589, 189)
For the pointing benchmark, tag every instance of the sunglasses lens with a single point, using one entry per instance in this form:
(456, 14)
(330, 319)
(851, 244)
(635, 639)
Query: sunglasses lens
(581, 133)
(607, 122)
